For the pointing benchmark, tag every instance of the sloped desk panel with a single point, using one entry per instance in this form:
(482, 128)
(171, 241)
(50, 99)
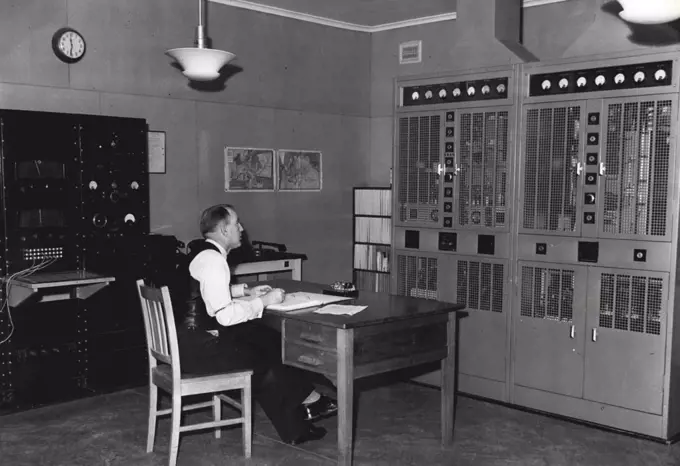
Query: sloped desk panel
(55, 286)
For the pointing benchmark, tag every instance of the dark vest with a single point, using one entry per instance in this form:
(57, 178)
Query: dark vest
(196, 316)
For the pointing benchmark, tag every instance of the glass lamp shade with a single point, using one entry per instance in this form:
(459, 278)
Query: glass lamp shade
(201, 64)
(650, 11)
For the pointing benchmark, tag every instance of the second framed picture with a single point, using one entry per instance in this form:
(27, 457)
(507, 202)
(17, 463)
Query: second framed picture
(299, 170)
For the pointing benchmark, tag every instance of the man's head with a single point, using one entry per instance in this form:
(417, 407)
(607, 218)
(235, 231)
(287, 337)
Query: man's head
(220, 223)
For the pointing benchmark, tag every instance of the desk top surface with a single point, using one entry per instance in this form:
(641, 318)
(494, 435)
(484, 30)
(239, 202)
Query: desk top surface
(382, 307)
(263, 256)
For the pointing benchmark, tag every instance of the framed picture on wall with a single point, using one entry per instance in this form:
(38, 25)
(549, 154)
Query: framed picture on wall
(249, 169)
(156, 151)
(299, 170)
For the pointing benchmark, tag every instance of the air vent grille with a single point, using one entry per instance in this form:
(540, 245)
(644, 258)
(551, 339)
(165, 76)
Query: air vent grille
(410, 52)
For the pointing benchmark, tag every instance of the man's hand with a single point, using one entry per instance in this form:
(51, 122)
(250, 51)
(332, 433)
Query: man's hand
(275, 296)
(260, 290)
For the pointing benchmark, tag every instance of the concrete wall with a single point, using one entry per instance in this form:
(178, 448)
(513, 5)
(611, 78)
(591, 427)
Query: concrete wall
(294, 85)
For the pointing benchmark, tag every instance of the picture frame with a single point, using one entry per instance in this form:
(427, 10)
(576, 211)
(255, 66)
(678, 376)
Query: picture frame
(249, 169)
(156, 151)
(299, 170)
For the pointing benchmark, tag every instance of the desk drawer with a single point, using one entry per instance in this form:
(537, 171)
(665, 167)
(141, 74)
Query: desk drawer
(310, 358)
(310, 334)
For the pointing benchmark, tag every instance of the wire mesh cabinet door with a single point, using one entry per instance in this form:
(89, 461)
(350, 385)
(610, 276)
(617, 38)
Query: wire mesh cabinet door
(636, 169)
(625, 345)
(482, 169)
(551, 167)
(480, 285)
(550, 327)
(418, 169)
(421, 275)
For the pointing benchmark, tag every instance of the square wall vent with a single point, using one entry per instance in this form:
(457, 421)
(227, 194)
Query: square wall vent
(410, 52)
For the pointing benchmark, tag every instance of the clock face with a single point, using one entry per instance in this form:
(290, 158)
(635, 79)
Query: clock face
(69, 45)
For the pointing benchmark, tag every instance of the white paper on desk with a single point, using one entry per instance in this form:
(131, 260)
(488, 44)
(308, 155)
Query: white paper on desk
(340, 309)
(303, 300)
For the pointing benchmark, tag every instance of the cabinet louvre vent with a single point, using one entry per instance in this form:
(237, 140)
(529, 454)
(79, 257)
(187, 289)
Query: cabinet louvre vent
(547, 293)
(631, 303)
(480, 285)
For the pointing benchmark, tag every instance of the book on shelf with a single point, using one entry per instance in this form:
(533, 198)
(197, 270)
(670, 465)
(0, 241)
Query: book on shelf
(372, 257)
(372, 230)
(373, 201)
(371, 281)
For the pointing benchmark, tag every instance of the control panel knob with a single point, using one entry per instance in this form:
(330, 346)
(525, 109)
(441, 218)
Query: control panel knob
(134, 185)
(99, 220)
(130, 219)
(114, 196)
(93, 185)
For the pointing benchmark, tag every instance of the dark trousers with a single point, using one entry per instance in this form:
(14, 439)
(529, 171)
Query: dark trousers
(279, 389)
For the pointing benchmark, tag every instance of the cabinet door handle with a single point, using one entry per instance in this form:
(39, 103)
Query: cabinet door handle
(311, 337)
(572, 332)
(309, 360)
(579, 168)
(594, 334)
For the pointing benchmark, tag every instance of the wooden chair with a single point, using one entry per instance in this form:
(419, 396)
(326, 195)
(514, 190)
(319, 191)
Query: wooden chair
(164, 373)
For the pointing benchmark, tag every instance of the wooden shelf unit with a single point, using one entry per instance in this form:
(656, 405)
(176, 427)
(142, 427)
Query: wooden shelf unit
(372, 245)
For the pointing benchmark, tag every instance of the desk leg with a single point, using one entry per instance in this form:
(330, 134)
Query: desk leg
(345, 386)
(448, 383)
(297, 269)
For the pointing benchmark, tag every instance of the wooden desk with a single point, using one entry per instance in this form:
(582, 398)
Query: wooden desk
(271, 262)
(394, 332)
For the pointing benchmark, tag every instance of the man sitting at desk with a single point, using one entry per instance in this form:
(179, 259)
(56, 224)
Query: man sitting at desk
(221, 334)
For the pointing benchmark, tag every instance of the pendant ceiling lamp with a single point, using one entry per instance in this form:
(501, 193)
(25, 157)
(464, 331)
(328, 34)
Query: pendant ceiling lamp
(201, 63)
(650, 11)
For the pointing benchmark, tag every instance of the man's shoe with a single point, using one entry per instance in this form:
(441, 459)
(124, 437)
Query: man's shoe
(313, 433)
(324, 406)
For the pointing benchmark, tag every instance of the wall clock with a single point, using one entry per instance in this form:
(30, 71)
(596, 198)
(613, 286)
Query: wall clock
(68, 45)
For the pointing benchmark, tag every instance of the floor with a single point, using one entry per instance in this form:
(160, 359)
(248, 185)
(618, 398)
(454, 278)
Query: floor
(397, 425)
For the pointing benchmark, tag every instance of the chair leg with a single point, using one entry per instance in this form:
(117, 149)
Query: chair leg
(174, 432)
(247, 403)
(153, 409)
(217, 412)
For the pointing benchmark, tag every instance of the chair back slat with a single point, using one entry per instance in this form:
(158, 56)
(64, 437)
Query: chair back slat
(159, 323)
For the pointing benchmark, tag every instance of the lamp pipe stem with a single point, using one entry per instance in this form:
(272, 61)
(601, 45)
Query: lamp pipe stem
(200, 31)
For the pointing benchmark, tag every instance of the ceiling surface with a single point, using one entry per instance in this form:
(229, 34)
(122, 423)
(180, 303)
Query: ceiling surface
(365, 12)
